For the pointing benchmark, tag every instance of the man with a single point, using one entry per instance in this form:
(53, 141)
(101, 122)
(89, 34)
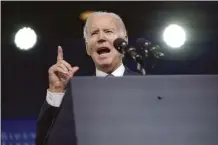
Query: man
(100, 31)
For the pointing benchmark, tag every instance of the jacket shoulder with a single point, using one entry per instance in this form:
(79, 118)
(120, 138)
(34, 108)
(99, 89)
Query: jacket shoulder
(130, 72)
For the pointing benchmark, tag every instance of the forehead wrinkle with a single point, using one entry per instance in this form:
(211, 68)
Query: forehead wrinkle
(112, 25)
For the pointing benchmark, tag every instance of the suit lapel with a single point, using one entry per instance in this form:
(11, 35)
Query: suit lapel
(128, 72)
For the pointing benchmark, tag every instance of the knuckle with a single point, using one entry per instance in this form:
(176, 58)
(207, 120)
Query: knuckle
(51, 69)
(60, 65)
(62, 61)
(59, 62)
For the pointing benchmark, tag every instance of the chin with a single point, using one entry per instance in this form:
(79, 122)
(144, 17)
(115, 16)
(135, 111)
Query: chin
(104, 63)
(107, 63)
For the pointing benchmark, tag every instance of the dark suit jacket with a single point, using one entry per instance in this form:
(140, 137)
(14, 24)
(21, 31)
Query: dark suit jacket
(52, 121)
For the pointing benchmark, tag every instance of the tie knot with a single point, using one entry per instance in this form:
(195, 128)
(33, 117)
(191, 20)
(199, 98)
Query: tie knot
(110, 75)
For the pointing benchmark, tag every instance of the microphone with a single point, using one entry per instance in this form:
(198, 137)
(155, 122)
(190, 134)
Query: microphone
(147, 47)
(122, 46)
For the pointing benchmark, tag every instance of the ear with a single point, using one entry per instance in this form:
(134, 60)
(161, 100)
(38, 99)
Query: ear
(87, 50)
(126, 38)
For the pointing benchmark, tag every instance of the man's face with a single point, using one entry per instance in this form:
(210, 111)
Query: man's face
(102, 31)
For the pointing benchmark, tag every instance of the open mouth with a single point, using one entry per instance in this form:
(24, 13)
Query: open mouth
(103, 50)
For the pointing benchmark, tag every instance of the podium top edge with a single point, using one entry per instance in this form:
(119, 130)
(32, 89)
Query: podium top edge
(152, 76)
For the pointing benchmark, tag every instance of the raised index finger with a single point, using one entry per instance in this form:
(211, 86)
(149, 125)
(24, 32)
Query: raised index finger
(60, 54)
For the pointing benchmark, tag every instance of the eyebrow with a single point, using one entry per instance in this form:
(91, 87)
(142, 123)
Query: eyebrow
(95, 29)
(110, 29)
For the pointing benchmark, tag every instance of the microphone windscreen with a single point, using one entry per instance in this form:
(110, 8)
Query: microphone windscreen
(120, 43)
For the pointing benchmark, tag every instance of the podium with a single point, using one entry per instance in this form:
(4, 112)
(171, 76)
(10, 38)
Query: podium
(139, 110)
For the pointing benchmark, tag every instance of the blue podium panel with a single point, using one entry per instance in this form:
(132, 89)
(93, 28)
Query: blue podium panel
(18, 132)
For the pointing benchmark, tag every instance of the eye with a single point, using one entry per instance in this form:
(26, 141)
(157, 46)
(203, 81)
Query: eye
(108, 31)
(93, 33)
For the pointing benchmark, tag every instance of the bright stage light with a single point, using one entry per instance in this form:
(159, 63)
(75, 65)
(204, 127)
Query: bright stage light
(25, 38)
(174, 36)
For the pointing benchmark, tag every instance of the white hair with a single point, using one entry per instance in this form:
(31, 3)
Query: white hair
(85, 29)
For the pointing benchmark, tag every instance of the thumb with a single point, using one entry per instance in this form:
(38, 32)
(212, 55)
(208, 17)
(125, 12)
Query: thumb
(73, 71)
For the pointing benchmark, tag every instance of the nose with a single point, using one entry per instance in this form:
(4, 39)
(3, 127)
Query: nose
(101, 37)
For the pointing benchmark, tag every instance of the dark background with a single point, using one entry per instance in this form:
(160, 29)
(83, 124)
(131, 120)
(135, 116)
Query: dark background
(24, 73)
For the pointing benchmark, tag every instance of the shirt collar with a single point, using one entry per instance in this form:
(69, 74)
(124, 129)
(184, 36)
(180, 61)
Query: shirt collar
(117, 73)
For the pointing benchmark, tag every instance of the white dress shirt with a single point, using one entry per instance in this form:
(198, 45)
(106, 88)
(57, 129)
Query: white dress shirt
(55, 99)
